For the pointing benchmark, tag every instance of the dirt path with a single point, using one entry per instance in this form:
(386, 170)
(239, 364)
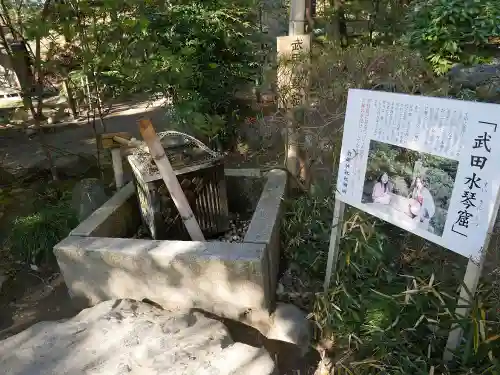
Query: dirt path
(30, 297)
(19, 153)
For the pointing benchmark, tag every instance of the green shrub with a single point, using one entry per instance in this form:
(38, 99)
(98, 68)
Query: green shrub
(33, 236)
(198, 54)
(392, 299)
(452, 31)
(306, 233)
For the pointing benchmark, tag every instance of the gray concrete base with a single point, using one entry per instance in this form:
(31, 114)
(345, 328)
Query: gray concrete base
(233, 280)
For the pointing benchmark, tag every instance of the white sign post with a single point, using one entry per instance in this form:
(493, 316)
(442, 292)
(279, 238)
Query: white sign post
(448, 192)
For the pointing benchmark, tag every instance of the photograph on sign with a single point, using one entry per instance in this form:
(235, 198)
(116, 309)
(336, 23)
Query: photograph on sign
(411, 186)
(427, 165)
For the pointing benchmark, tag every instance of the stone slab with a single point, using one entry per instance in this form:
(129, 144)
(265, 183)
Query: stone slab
(115, 218)
(268, 209)
(223, 278)
(121, 337)
(265, 226)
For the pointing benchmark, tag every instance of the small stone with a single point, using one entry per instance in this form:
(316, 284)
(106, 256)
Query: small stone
(290, 324)
(20, 115)
(235, 238)
(488, 92)
(34, 267)
(3, 278)
(30, 131)
(280, 289)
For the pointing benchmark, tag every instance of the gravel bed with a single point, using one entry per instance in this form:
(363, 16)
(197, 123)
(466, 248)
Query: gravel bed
(238, 227)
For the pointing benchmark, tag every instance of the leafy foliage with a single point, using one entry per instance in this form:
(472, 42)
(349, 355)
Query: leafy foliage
(306, 233)
(392, 299)
(202, 53)
(198, 54)
(451, 31)
(33, 237)
(365, 314)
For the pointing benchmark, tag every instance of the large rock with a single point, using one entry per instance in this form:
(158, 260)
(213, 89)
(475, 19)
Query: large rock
(19, 116)
(474, 76)
(88, 196)
(6, 178)
(130, 337)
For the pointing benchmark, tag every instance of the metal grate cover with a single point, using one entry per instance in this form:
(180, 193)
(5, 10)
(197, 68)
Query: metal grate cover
(200, 172)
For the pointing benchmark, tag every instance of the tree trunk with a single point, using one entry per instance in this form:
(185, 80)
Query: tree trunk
(20, 58)
(71, 100)
(373, 20)
(340, 24)
(46, 151)
(39, 77)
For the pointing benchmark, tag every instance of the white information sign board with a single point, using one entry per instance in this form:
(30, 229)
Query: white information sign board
(427, 165)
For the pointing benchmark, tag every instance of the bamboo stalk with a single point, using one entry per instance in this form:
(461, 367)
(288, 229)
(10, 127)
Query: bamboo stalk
(126, 142)
(167, 173)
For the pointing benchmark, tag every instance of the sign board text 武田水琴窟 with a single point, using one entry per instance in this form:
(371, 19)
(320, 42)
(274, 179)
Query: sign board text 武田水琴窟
(427, 165)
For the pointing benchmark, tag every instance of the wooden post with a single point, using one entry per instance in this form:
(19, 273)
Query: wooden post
(467, 292)
(469, 286)
(293, 139)
(116, 157)
(126, 142)
(167, 173)
(115, 142)
(335, 235)
(297, 22)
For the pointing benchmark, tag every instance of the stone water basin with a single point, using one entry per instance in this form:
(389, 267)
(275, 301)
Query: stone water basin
(101, 261)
